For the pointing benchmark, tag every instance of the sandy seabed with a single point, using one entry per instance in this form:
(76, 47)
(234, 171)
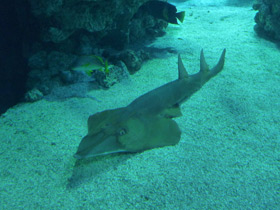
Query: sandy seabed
(229, 153)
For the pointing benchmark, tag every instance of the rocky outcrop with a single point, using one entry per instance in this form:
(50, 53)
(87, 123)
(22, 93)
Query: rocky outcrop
(97, 20)
(71, 28)
(43, 37)
(268, 19)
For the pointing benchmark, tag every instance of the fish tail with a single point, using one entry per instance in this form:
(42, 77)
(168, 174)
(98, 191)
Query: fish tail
(89, 72)
(181, 16)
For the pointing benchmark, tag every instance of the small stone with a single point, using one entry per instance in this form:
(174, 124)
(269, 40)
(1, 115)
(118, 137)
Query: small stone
(33, 95)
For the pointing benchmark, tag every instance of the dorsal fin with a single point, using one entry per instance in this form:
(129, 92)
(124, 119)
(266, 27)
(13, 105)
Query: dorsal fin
(203, 65)
(181, 69)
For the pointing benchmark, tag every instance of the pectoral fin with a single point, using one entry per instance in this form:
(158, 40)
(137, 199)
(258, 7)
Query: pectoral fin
(149, 132)
(172, 112)
(96, 145)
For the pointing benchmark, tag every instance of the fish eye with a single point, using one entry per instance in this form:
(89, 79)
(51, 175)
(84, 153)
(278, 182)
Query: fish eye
(122, 132)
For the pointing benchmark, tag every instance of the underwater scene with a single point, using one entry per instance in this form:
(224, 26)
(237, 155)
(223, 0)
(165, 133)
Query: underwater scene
(140, 104)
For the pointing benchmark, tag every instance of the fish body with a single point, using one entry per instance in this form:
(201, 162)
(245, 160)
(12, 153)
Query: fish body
(165, 11)
(146, 123)
(89, 63)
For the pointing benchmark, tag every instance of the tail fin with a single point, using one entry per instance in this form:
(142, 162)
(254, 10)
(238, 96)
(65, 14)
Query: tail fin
(209, 73)
(180, 16)
(219, 65)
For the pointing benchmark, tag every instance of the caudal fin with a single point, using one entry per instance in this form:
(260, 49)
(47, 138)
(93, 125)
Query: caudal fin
(219, 65)
(180, 16)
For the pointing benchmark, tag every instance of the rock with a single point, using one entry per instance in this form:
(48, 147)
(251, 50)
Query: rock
(117, 73)
(33, 95)
(113, 23)
(60, 19)
(50, 33)
(268, 19)
(72, 28)
(133, 60)
(59, 61)
(38, 60)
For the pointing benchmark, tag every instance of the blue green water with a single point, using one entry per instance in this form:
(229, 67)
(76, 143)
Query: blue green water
(228, 156)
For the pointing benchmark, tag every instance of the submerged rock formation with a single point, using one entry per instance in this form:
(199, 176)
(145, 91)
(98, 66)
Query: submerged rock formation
(42, 38)
(71, 22)
(71, 28)
(61, 19)
(268, 19)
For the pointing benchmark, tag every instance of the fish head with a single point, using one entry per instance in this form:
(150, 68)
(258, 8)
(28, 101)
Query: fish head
(103, 130)
(112, 131)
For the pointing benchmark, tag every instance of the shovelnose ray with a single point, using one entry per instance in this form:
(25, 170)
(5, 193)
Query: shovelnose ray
(147, 122)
